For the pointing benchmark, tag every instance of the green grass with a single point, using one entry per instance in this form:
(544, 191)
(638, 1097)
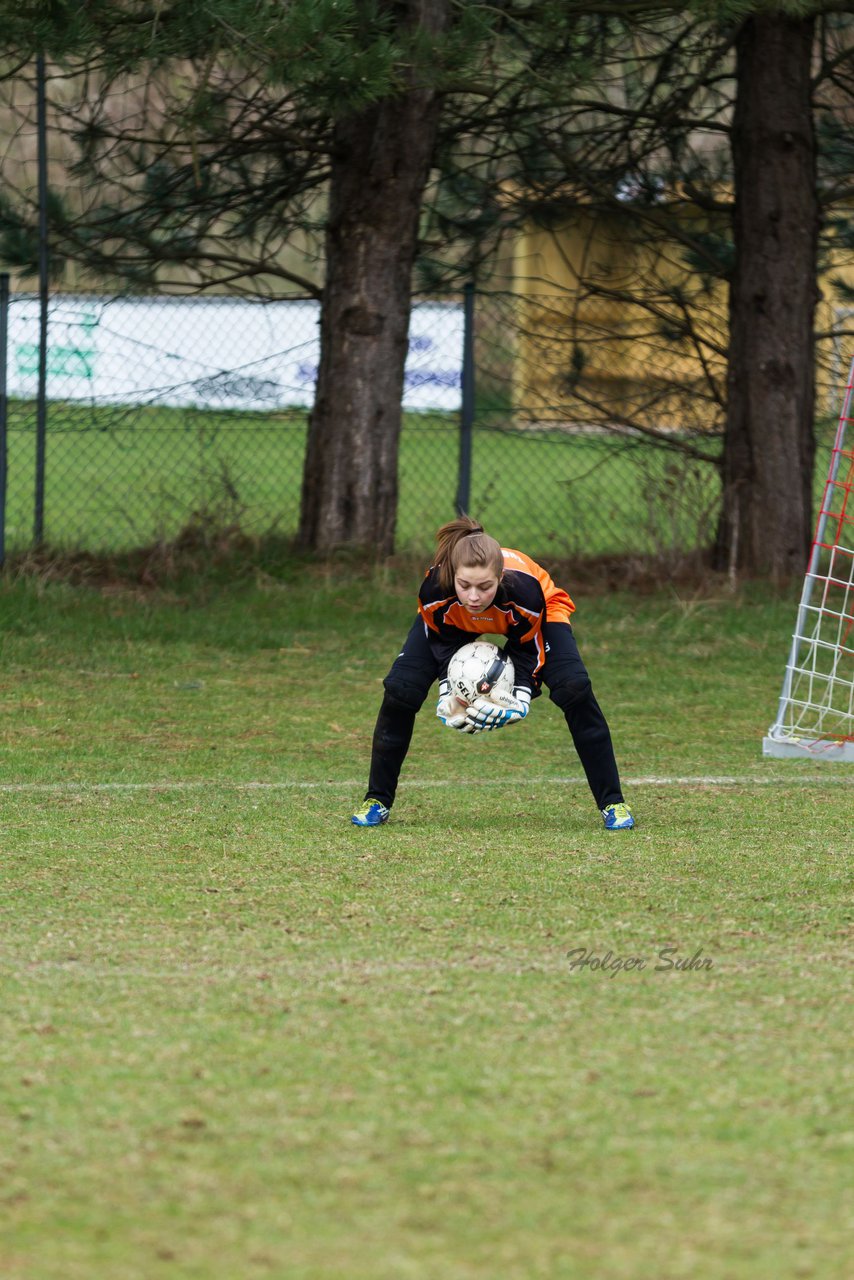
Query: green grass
(241, 1038)
(122, 477)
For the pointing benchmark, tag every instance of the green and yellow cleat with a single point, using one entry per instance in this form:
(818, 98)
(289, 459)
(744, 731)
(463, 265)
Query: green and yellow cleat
(617, 817)
(371, 814)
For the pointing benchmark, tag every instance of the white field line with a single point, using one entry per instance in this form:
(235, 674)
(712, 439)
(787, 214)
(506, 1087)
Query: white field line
(348, 784)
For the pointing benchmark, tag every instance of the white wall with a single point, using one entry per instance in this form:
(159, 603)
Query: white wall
(209, 353)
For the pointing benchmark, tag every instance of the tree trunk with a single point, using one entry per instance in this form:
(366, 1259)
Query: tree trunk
(766, 522)
(380, 166)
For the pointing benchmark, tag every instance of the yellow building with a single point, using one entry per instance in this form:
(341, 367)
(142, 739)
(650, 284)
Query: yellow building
(619, 324)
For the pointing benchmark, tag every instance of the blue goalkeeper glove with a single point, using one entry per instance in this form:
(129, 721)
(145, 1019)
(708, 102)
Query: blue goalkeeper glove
(450, 710)
(498, 709)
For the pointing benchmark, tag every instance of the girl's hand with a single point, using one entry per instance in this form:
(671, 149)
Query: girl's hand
(450, 710)
(496, 711)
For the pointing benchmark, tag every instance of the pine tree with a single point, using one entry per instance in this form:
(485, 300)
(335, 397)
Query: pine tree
(206, 136)
(633, 146)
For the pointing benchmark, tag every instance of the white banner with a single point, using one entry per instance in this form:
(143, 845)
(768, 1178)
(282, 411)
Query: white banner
(208, 353)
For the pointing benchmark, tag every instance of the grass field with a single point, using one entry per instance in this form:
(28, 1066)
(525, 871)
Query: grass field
(242, 1038)
(121, 477)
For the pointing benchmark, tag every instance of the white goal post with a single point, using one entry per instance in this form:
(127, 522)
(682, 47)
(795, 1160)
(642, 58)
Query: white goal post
(815, 716)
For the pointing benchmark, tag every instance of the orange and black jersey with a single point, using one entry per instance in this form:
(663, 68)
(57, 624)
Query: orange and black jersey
(526, 598)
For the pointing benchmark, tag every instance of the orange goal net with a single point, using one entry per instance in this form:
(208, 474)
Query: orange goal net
(815, 716)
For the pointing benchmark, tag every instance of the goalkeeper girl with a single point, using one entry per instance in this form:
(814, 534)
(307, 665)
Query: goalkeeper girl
(476, 587)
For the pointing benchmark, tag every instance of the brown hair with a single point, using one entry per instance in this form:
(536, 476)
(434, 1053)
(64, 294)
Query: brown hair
(463, 541)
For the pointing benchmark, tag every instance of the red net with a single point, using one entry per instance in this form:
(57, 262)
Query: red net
(817, 703)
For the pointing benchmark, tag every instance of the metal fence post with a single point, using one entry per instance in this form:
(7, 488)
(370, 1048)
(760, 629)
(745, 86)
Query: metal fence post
(467, 411)
(41, 401)
(4, 407)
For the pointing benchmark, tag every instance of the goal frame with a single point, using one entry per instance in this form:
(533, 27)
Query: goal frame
(788, 737)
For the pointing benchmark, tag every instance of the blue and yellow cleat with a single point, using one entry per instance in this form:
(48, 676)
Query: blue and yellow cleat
(371, 814)
(617, 817)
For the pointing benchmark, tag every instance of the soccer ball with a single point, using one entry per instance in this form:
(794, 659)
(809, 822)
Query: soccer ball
(478, 668)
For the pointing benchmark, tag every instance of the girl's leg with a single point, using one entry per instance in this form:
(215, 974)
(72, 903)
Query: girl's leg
(570, 689)
(406, 687)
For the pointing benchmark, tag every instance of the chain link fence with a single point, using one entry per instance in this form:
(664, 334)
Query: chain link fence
(610, 449)
(164, 413)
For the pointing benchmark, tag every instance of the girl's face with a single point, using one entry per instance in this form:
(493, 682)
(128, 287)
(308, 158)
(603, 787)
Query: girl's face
(475, 586)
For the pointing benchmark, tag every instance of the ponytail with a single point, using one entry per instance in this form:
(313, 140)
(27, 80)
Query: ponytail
(463, 541)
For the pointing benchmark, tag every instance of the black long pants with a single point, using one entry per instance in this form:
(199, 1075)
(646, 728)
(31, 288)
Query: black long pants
(414, 671)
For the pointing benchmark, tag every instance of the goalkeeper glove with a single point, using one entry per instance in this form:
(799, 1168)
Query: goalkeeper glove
(498, 709)
(450, 710)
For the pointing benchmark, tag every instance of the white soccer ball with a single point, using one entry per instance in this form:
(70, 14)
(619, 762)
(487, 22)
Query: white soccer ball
(478, 668)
